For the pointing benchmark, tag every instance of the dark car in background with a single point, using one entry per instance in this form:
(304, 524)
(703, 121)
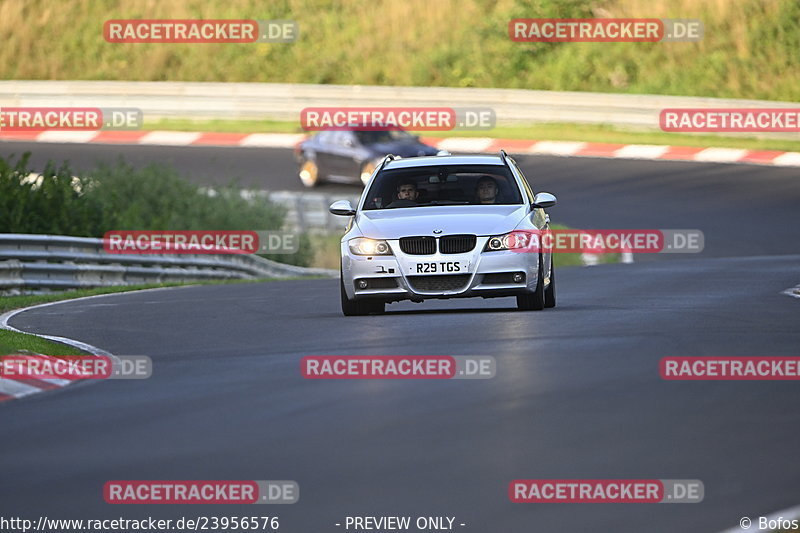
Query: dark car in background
(350, 156)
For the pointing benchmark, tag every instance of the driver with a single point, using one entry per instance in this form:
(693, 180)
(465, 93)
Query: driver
(407, 195)
(486, 190)
(407, 190)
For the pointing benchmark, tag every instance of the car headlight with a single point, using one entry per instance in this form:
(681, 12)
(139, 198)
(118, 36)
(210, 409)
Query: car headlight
(364, 246)
(516, 240)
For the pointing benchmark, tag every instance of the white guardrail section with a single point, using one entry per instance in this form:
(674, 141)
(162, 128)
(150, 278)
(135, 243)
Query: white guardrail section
(57, 262)
(284, 101)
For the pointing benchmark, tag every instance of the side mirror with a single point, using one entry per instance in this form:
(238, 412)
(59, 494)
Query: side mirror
(349, 143)
(342, 208)
(544, 199)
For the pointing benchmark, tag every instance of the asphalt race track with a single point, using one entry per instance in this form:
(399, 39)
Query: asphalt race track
(577, 392)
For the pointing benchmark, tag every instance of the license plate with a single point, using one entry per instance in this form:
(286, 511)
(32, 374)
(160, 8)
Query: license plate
(440, 267)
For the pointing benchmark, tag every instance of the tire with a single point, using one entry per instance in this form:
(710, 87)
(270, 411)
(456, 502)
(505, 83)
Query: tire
(359, 307)
(533, 301)
(309, 173)
(550, 291)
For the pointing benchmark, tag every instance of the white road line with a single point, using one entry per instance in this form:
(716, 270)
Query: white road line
(272, 140)
(170, 138)
(17, 389)
(56, 381)
(720, 155)
(67, 136)
(789, 159)
(641, 151)
(465, 144)
(556, 147)
(794, 292)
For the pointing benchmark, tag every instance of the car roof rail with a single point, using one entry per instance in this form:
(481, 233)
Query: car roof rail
(506, 158)
(389, 157)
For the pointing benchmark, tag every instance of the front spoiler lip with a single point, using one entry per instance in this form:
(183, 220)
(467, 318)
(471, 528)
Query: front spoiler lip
(400, 295)
(471, 289)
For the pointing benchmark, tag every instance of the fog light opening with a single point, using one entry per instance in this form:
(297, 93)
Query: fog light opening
(518, 277)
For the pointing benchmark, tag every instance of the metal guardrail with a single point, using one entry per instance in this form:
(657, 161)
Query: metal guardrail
(57, 262)
(284, 101)
(307, 212)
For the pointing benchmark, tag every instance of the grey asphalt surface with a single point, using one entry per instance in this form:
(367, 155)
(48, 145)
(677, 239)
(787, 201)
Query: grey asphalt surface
(577, 392)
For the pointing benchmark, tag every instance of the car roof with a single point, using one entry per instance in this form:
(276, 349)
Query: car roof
(439, 160)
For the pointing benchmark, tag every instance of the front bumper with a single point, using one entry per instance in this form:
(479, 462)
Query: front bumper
(390, 278)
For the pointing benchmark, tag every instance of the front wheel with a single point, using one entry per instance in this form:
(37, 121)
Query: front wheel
(359, 307)
(309, 173)
(533, 301)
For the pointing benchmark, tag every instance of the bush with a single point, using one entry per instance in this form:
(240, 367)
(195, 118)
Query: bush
(121, 197)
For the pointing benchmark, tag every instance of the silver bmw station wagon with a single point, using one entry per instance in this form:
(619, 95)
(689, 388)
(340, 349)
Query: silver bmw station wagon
(445, 227)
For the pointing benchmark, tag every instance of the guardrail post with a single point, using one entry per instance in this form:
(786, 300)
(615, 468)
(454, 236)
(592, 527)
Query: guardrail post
(301, 218)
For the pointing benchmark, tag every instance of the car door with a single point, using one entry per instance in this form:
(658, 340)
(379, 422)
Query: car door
(539, 217)
(342, 156)
(318, 150)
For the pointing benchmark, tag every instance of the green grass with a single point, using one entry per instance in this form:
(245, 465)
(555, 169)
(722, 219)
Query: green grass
(749, 49)
(225, 126)
(536, 132)
(12, 342)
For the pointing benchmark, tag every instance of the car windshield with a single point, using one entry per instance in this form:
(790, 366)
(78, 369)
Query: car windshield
(443, 185)
(384, 136)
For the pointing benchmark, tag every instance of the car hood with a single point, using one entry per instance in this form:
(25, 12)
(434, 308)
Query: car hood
(403, 148)
(408, 221)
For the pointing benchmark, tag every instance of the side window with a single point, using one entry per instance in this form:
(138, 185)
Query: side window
(344, 138)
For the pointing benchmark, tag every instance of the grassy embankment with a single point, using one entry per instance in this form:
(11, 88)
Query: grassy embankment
(749, 50)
